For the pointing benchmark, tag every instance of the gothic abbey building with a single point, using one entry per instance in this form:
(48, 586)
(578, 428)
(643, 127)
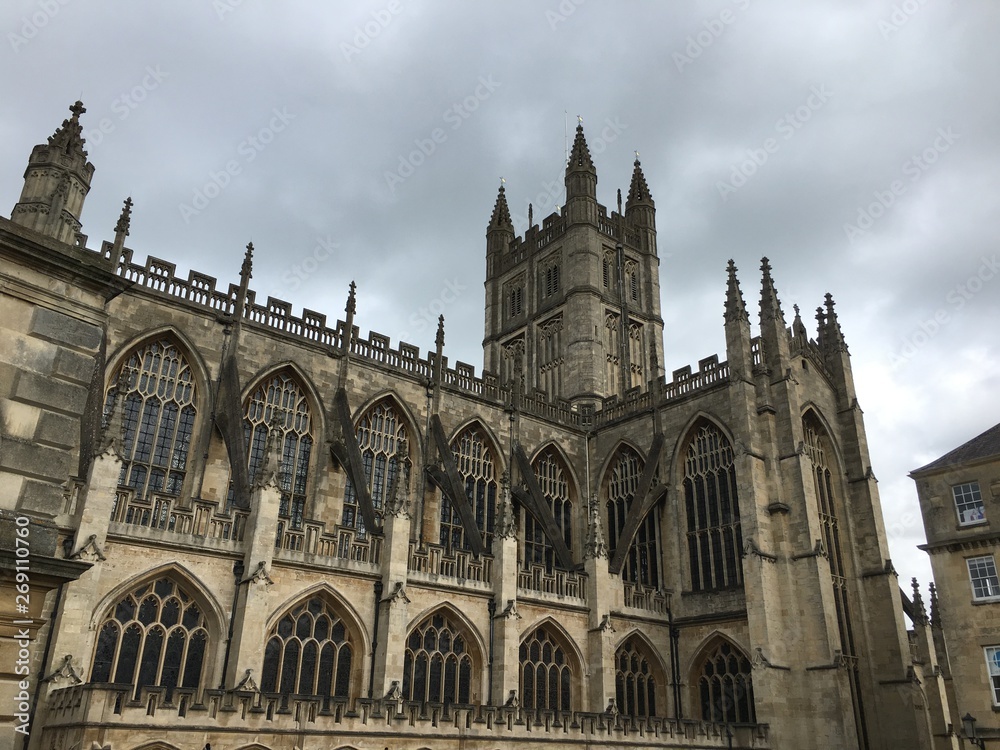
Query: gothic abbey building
(258, 530)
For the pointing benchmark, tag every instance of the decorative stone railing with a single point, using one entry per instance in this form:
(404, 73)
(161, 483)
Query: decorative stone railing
(558, 582)
(637, 596)
(462, 565)
(77, 714)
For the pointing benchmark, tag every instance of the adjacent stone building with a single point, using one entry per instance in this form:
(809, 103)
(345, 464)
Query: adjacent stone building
(287, 535)
(960, 502)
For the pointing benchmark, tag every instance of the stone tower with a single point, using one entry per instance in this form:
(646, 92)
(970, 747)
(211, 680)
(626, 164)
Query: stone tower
(56, 182)
(573, 307)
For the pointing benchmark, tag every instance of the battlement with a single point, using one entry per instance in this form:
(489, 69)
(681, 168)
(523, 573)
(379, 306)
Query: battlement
(313, 328)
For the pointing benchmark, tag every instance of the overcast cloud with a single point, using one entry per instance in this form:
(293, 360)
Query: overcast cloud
(855, 143)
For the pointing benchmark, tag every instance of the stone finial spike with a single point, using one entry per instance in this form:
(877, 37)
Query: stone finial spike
(935, 608)
(113, 433)
(835, 336)
(619, 201)
(595, 545)
(246, 270)
(531, 218)
(798, 329)
(736, 309)
(352, 301)
(439, 338)
(920, 614)
(125, 219)
(507, 525)
(269, 473)
(770, 305)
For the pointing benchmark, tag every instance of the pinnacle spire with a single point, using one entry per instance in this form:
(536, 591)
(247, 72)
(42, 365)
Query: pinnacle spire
(352, 300)
(919, 613)
(638, 191)
(579, 155)
(935, 609)
(736, 309)
(770, 305)
(798, 328)
(501, 212)
(246, 270)
(439, 338)
(834, 335)
(125, 219)
(269, 472)
(595, 545)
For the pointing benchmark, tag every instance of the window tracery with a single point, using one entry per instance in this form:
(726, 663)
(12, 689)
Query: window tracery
(437, 664)
(545, 674)
(380, 431)
(474, 458)
(725, 686)
(642, 564)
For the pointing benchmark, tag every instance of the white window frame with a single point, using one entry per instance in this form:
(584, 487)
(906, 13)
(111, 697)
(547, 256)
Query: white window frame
(966, 496)
(989, 567)
(993, 671)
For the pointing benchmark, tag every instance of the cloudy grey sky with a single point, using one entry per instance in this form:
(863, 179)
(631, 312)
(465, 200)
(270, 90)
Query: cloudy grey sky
(854, 142)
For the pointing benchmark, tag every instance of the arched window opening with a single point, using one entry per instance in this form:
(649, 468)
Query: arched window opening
(725, 686)
(437, 664)
(380, 432)
(158, 419)
(155, 635)
(635, 680)
(474, 457)
(642, 565)
(715, 539)
(552, 477)
(546, 676)
(280, 402)
(309, 652)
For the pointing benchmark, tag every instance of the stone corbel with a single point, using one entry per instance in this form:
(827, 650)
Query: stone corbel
(510, 611)
(259, 576)
(398, 595)
(89, 552)
(247, 684)
(65, 672)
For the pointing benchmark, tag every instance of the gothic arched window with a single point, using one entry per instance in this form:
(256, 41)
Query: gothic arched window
(546, 676)
(474, 457)
(309, 652)
(279, 401)
(552, 477)
(642, 565)
(437, 665)
(715, 540)
(155, 635)
(725, 686)
(635, 679)
(379, 433)
(158, 418)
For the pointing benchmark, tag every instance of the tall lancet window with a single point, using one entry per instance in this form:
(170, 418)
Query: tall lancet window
(553, 480)
(725, 686)
(280, 401)
(550, 356)
(158, 418)
(642, 564)
(715, 540)
(380, 432)
(474, 457)
(613, 353)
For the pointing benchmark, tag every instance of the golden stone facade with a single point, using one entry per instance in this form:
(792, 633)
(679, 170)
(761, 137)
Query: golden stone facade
(262, 530)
